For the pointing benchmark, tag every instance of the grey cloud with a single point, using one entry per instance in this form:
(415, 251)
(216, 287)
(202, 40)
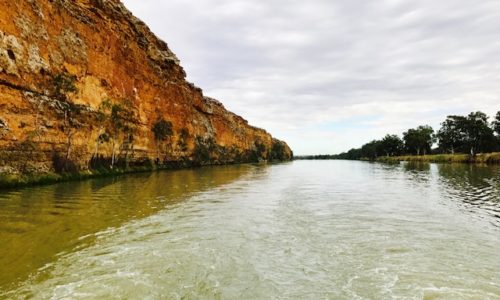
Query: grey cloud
(293, 66)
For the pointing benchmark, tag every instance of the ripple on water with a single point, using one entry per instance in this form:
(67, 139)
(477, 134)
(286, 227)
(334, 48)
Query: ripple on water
(307, 230)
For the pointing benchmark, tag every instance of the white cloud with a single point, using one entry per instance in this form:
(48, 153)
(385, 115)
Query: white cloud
(366, 68)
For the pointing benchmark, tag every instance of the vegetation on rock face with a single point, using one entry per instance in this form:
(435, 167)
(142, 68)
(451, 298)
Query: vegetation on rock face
(102, 117)
(162, 130)
(122, 129)
(116, 123)
(278, 152)
(182, 143)
(70, 125)
(62, 85)
(258, 152)
(203, 149)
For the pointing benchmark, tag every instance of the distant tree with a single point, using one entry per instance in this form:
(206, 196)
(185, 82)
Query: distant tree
(162, 130)
(496, 124)
(478, 136)
(371, 150)
(391, 145)
(352, 154)
(451, 134)
(496, 128)
(419, 140)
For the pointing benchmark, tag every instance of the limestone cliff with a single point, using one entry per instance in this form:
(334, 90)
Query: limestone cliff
(84, 84)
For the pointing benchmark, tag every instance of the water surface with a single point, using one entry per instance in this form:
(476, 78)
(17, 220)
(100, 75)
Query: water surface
(301, 230)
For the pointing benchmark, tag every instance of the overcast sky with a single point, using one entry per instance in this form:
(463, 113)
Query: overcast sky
(329, 75)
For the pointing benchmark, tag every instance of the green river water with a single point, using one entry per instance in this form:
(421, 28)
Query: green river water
(298, 230)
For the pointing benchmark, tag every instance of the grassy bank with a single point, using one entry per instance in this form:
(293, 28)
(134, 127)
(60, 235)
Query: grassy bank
(21, 180)
(483, 158)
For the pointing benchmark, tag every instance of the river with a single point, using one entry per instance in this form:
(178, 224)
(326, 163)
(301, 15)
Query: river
(298, 230)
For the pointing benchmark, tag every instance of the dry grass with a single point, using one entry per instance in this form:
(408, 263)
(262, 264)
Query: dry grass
(485, 158)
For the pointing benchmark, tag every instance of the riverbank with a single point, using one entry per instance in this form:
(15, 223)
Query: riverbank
(22, 180)
(483, 158)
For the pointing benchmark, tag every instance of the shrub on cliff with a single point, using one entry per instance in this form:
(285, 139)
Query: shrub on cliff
(258, 152)
(102, 117)
(62, 85)
(277, 152)
(122, 128)
(162, 130)
(62, 164)
(182, 143)
(203, 150)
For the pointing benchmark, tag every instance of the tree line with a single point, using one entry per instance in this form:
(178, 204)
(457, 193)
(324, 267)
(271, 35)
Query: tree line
(469, 134)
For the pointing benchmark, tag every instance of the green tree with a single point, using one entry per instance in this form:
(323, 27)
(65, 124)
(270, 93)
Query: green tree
(354, 153)
(419, 140)
(496, 128)
(451, 134)
(478, 136)
(371, 150)
(162, 130)
(391, 145)
(496, 124)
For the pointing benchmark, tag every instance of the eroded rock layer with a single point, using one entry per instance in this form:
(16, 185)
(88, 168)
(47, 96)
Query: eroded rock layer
(84, 84)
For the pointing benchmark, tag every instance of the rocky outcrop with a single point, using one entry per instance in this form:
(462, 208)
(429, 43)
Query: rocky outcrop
(86, 85)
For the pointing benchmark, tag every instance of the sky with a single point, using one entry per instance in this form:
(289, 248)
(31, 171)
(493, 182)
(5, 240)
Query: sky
(330, 75)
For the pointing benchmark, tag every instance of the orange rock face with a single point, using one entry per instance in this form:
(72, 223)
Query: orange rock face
(84, 84)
